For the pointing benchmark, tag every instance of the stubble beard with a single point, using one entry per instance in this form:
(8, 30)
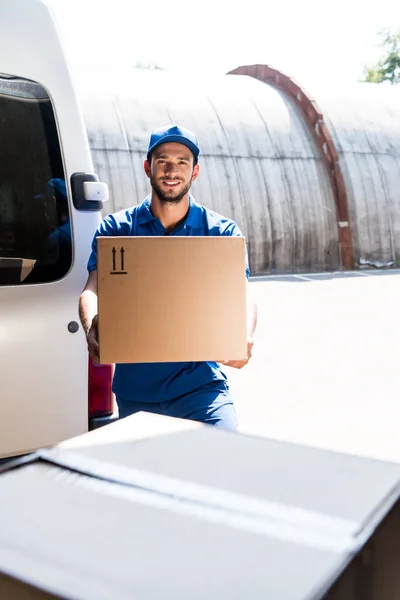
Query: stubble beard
(163, 198)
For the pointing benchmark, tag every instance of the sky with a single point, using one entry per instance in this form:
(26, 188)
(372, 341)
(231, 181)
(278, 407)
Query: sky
(310, 40)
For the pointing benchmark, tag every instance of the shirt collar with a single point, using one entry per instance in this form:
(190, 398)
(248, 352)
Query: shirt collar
(195, 213)
(145, 214)
(193, 219)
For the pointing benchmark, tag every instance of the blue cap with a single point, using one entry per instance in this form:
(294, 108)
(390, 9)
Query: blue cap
(58, 188)
(174, 133)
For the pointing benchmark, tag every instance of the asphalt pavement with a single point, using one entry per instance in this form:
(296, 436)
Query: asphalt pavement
(326, 365)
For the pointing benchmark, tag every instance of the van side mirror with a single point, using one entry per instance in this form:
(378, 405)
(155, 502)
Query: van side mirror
(88, 193)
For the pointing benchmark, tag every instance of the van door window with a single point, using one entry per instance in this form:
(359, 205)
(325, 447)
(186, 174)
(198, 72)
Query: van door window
(35, 230)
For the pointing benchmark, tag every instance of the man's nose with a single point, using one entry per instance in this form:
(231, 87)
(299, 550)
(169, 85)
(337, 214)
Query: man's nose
(170, 169)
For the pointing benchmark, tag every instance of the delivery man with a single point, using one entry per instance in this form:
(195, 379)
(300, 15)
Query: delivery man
(197, 391)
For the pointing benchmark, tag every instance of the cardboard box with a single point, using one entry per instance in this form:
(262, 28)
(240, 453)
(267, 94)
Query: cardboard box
(186, 511)
(14, 270)
(171, 299)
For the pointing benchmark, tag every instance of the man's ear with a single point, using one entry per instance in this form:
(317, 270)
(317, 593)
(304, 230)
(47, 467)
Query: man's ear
(196, 170)
(147, 167)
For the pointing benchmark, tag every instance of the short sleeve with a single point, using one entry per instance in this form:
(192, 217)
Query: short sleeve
(233, 230)
(108, 226)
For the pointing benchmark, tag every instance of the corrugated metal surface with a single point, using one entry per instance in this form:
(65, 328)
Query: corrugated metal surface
(364, 121)
(259, 163)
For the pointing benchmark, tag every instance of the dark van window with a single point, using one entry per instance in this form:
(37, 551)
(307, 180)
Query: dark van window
(35, 233)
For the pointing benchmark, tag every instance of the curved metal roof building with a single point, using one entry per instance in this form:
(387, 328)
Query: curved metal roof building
(313, 187)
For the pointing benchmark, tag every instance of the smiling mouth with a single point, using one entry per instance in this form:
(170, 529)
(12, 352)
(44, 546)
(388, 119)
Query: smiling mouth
(171, 183)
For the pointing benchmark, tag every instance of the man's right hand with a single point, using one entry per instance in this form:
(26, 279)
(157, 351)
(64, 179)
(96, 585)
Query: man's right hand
(93, 339)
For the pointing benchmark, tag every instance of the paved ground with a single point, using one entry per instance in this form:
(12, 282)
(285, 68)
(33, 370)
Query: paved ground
(325, 371)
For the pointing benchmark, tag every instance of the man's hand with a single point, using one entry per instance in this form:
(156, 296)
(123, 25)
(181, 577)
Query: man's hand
(93, 339)
(239, 364)
(88, 315)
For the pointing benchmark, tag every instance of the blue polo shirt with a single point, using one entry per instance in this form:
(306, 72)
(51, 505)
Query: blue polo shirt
(158, 382)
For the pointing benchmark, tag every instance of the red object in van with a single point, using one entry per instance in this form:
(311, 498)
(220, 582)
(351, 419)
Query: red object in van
(100, 395)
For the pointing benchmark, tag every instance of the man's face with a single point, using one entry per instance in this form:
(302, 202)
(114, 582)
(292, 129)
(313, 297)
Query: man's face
(7, 239)
(171, 171)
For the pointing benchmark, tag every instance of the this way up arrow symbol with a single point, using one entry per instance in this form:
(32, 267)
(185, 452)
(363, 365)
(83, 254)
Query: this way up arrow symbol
(114, 252)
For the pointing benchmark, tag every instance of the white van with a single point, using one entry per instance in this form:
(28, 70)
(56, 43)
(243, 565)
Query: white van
(48, 214)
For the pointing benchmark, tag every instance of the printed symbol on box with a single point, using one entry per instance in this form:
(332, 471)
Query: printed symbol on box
(120, 261)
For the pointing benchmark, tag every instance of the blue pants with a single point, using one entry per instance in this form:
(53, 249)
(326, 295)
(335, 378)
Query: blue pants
(211, 404)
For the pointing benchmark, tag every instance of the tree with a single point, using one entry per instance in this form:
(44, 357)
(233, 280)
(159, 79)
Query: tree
(388, 67)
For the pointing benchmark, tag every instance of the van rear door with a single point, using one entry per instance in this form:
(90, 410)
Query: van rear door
(44, 238)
